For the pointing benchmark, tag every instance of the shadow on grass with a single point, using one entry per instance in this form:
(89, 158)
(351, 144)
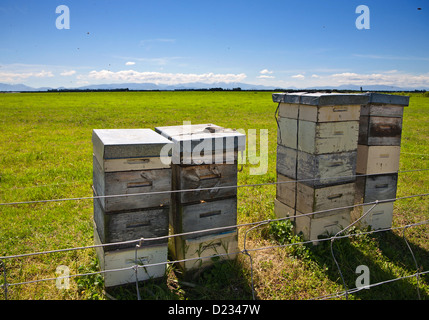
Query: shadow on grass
(387, 257)
(224, 280)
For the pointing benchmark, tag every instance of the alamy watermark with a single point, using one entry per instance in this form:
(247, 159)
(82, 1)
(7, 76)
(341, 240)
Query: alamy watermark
(362, 21)
(362, 281)
(63, 20)
(63, 279)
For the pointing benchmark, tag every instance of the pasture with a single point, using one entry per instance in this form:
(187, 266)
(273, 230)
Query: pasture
(46, 153)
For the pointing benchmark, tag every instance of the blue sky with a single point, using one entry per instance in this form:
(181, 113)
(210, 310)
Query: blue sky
(276, 43)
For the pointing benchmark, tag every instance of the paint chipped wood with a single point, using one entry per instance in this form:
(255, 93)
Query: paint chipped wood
(203, 249)
(131, 225)
(140, 183)
(197, 177)
(377, 159)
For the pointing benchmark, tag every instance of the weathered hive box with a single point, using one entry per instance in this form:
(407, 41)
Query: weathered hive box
(306, 199)
(380, 133)
(131, 225)
(313, 226)
(326, 169)
(317, 146)
(310, 199)
(317, 170)
(371, 188)
(138, 155)
(203, 143)
(317, 136)
(377, 159)
(381, 120)
(204, 215)
(282, 210)
(126, 259)
(199, 252)
(213, 179)
(286, 163)
(129, 149)
(378, 156)
(132, 184)
(286, 190)
(320, 107)
(376, 187)
(380, 217)
(128, 190)
(204, 165)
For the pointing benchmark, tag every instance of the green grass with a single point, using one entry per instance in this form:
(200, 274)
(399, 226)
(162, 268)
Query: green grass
(46, 153)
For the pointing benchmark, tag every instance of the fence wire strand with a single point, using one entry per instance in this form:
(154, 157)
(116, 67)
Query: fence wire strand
(245, 251)
(346, 178)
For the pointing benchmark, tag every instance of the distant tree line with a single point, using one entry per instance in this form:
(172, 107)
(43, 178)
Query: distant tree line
(86, 90)
(217, 89)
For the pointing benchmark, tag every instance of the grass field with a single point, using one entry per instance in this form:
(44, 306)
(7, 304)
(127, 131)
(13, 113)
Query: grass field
(46, 153)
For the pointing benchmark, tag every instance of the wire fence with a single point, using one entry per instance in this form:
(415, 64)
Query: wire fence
(245, 251)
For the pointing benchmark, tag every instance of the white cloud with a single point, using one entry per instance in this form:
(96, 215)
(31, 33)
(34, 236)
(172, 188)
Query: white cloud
(298, 76)
(161, 61)
(15, 77)
(159, 77)
(265, 77)
(130, 63)
(315, 76)
(68, 73)
(386, 78)
(265, 71)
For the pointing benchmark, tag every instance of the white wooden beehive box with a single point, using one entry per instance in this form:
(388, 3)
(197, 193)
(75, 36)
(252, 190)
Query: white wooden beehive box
(376, 187)
(318, 137)
(326, 169)
(322, 200)
(129, 149)
(126, 259)
(282, 210)
(287, 161)
(380, 217)
(128, 190)
(204, 215)
(286, 190)
(314, 228)
(204, 250)
(380, 131)
(127, 162)
(131, 225)
(203, 143)
(210, 181)
(377, 159)
(320, 107)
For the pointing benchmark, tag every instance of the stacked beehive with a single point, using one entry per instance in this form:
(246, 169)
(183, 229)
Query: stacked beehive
(204, 156)
(379, 147)
(127, 162)
(316, 159)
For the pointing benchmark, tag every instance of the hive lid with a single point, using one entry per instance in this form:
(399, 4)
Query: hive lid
(387, 99)
(197, 133)
(321, 99)
(127, 143)
(198, 141)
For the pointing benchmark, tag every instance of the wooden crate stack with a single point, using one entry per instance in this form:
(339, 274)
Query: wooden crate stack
(379, 147)
(127, 162)
(316, 159)
(203, 156)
